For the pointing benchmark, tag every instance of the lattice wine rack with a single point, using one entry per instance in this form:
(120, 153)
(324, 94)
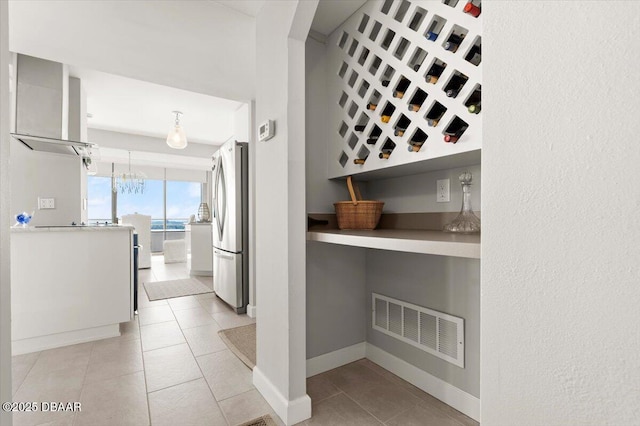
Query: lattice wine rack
(405, 85)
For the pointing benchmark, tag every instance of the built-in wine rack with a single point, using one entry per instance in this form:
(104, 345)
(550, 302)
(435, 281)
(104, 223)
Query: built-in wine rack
(405, 85)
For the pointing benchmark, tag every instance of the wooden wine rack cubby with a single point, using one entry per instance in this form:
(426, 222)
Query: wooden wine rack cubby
(381, 56)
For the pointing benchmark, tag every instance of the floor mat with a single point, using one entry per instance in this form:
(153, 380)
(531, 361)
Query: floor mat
(175, 288)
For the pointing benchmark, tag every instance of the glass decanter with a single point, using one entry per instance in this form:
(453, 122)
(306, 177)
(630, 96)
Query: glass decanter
(466, 222)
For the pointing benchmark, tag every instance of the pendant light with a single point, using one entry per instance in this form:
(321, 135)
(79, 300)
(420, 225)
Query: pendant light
(176, 138)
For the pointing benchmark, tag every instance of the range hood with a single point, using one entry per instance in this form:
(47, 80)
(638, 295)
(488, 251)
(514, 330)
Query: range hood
(56, 146)
(48, 108)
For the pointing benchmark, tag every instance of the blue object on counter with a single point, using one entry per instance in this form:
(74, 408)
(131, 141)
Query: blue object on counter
(23, 219)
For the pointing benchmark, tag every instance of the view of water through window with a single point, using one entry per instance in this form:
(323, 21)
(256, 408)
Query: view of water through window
(183, 200)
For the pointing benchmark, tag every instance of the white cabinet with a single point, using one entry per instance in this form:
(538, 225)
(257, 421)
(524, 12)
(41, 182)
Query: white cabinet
(198, 239)
(69, 285)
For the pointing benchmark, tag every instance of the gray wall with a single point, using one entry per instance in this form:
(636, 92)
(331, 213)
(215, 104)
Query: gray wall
(39, 174)
(321, 193)
(417, 193)
(336, 297)
(446, 284)
(336, 315)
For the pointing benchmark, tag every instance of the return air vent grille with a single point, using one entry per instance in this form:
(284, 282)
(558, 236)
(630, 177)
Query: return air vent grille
(437, 333)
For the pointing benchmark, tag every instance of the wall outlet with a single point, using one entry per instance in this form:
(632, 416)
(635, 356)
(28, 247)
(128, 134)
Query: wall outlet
(443, 194)
(46, 203)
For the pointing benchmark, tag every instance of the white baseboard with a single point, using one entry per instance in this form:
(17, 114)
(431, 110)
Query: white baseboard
(198, 273)
(251, 311)
(291, 412)
(445, 392)
(336, 359)
(40, 343)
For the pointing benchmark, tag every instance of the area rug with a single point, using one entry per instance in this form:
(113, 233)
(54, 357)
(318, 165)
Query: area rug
(242, 342)
(261, 421)
(175, 288)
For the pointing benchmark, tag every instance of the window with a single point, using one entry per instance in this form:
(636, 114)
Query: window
(99, 199)
(151, 203)
(179, 199)
(183, 200)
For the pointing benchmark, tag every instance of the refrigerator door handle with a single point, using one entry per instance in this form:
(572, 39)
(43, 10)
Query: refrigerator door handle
(220, 212)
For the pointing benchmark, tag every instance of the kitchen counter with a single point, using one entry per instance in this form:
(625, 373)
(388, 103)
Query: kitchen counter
(69, 285)
(72, 228)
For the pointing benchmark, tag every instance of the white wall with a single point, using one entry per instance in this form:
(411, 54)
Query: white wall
(280, 374)
(215, 43)
(128, 141)
(5, 221)
(560, 253)
(40, 174)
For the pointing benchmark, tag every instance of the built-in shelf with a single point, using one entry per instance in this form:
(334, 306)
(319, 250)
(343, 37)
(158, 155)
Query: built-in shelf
(405, 240)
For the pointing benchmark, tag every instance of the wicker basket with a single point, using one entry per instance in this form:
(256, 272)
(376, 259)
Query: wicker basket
(357, 214)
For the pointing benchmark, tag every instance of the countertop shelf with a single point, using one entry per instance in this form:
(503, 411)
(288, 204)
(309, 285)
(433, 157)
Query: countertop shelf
(405, 240)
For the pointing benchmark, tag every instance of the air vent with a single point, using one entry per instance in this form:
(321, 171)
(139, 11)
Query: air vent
(437, 333)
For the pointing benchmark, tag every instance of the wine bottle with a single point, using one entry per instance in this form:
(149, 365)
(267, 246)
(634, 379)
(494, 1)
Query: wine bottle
(451, 47)
(385, 83)
(434, 73)
(455, 130)
(473, 103)
(453, 42)
(474, 109)
(316, 222)
(359, 127)
(401, 125)
(402, 86)
(455, 85)
(472, 9)
(387, 112)
(474, 98)
(372, 140)
(417, 100)
(384, 155)
(474, 55)
(415, 146)
(371, 106)
(435, 114)
(431, 35)
(416, 67)
(359, 161)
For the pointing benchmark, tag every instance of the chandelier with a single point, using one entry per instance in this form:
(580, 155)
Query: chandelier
(129, 182)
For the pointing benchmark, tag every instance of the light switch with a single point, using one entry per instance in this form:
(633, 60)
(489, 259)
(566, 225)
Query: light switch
(46, 203)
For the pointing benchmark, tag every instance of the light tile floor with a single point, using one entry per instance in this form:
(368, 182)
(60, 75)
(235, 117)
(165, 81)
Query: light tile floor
(170, 367)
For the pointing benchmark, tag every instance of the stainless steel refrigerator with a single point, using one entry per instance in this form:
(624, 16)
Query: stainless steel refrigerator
(231, 224)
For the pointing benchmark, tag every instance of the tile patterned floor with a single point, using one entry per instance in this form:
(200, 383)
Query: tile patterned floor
(169, 367)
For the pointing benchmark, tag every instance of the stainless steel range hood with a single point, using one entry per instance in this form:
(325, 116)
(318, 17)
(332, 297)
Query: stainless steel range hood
(56, 146)
(42, 108)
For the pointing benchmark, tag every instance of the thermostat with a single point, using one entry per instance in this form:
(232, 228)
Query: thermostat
(267, 130)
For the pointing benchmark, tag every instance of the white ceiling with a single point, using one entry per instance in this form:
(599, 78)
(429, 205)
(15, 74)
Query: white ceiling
(331, 13)
(132, 106)
(185, 51)
(248, 7)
